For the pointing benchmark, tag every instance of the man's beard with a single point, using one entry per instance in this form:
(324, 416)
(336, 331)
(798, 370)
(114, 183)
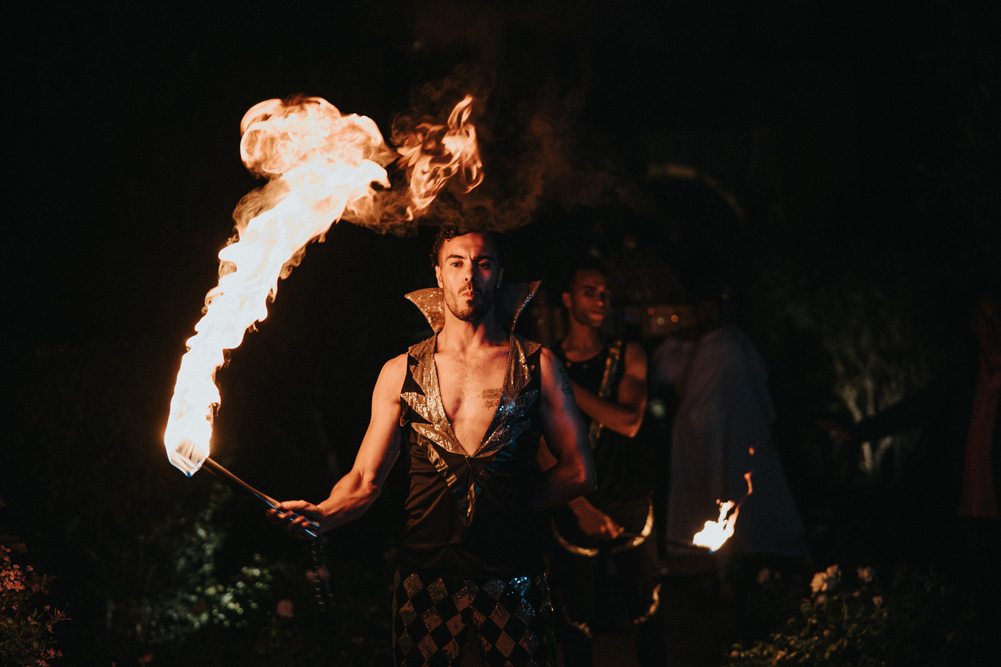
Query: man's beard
(458, 304)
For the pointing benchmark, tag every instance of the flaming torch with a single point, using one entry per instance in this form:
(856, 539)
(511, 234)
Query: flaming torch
(716, 533)
(321, 166)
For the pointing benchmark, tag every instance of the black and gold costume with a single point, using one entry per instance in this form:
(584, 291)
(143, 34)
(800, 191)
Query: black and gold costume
(471, 555)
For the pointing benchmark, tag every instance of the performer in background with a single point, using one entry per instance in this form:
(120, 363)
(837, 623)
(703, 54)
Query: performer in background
(722, 430)
(616, 521)
(471, 403)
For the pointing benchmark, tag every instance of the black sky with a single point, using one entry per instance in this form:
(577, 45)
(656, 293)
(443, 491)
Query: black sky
(125, 129)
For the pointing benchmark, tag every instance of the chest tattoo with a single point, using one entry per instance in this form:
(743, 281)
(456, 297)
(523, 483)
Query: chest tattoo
(491, 397)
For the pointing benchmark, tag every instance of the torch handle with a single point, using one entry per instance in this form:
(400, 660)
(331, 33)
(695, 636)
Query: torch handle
(231, 479)
(674, 542)
(234, 481)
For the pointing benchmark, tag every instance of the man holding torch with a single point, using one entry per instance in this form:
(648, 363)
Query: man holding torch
(615, 522)
(471, 403)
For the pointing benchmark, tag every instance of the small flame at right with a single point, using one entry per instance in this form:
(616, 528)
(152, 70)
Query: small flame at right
(715, 533)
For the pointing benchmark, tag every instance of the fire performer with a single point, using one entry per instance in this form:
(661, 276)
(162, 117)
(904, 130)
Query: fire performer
(616, 521)
(471, 401)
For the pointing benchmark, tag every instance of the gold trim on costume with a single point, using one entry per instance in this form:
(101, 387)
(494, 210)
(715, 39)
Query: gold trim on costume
(509, 300)
(605, 389)
(512, 416)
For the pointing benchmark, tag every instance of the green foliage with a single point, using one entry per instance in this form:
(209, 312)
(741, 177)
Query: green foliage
(911, 619)
(261, 613)
(353, 628)
(188, 589)
(26, 632)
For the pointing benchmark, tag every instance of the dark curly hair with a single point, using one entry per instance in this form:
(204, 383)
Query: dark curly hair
(585, 263)
(450, 230)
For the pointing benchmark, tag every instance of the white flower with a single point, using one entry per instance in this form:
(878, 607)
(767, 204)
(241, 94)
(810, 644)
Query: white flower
(833, 577)
(827, 580)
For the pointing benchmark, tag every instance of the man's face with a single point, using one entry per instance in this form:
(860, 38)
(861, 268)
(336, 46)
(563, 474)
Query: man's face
(588, 300)
(469, 274)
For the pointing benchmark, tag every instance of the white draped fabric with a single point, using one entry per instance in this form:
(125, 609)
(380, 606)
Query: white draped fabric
(726, 411)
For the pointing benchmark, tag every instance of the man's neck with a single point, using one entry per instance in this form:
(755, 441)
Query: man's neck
(460, 335)
(582, 342)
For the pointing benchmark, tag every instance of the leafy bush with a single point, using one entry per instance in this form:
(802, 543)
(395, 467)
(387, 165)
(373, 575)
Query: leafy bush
(285, 626)
(860, 619)
(192, 590)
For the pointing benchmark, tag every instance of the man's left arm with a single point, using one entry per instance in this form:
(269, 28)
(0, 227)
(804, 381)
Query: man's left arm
(624, 414)
(572, 474)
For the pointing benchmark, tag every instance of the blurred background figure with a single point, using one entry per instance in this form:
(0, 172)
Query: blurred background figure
(723, 429)
(603, 558)
(669, 362)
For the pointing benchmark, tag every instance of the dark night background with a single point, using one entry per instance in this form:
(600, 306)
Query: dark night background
(861, 143)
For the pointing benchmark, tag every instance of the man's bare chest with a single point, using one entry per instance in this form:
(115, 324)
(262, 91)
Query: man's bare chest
(471, 389)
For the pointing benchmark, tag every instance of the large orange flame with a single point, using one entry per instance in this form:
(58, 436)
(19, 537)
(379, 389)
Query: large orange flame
(321, 167)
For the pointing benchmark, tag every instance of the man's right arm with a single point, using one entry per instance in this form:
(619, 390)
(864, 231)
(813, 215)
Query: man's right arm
(572, 471)
(354, 493)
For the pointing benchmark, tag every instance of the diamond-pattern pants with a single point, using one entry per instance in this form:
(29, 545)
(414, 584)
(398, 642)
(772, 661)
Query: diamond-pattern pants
(512, 620)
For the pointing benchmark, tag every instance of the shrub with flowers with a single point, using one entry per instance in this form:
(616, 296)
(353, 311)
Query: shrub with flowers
(861, 619)
(26, 632)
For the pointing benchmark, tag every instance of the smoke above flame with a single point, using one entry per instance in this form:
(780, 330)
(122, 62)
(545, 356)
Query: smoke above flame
(322, 166)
